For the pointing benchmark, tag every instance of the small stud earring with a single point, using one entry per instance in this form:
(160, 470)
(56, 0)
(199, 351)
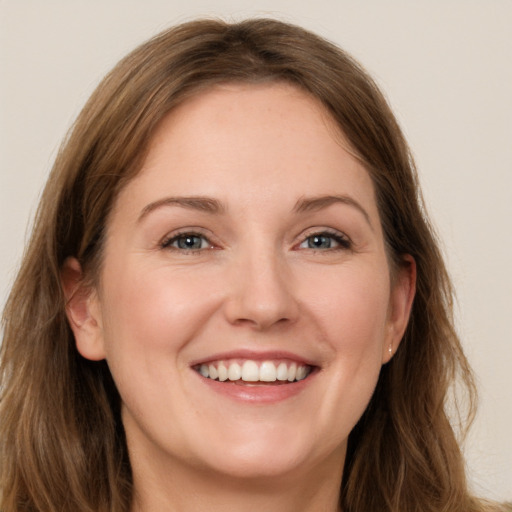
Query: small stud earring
(390, 349)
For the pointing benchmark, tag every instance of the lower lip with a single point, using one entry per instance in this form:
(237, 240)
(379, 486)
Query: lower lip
(257, 393)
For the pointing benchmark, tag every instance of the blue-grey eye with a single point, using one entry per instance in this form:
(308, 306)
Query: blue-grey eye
(187, 242)
(323, 241)
(320, 242)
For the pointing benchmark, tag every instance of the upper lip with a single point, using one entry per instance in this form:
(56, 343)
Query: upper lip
(254, 355)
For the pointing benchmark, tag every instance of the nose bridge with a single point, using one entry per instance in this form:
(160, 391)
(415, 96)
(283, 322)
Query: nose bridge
(261, 292)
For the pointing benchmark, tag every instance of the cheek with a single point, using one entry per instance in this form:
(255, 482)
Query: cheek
(154, 309)
(349, 308)
(352, 309)
(148, 319)
(353, 313)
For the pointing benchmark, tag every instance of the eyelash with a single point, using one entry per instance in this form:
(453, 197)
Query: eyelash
(344, 243)
(175, 238)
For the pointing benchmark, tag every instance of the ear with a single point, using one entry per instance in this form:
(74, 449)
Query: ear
(403, 289)
(83, 311)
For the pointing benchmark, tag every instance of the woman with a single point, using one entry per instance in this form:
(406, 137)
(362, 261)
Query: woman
(232, 298)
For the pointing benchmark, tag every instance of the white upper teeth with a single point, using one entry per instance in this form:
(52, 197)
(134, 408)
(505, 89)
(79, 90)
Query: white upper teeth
(252, 371)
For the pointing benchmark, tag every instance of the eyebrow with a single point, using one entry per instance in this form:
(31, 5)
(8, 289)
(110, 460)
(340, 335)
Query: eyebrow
(213, 206)
(314, 204)
(204, 204)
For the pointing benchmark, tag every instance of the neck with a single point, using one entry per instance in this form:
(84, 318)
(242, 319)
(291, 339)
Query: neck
(184, 489)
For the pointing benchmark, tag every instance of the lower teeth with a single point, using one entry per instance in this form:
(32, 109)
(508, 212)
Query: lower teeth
(259, 383)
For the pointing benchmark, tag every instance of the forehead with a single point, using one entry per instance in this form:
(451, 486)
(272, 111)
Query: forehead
(267, 140)
(229, 103)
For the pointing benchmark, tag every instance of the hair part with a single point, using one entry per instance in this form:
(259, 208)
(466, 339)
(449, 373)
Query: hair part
(62, 443)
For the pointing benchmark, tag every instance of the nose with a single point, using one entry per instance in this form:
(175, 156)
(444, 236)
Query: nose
(261, 293)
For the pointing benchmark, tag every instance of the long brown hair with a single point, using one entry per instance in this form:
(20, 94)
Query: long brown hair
(62, 444)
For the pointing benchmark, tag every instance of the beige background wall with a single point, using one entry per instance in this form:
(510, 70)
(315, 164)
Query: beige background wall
(446, 67)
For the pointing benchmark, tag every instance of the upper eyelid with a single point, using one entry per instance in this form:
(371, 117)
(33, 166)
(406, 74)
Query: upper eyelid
(213, 241)
(344, 242)
(324, 231)
(170, 237)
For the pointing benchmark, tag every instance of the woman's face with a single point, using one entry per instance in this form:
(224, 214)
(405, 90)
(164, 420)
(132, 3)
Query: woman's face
(249, 245)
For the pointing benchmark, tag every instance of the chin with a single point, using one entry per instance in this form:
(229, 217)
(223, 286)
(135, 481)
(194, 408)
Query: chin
(278, 452)
(248, 465)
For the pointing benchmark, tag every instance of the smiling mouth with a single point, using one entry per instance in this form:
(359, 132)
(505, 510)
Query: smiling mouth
(254, 372)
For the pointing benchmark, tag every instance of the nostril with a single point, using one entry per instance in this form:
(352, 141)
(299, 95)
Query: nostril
(260, 293)
(248, 311)
(261, 323)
